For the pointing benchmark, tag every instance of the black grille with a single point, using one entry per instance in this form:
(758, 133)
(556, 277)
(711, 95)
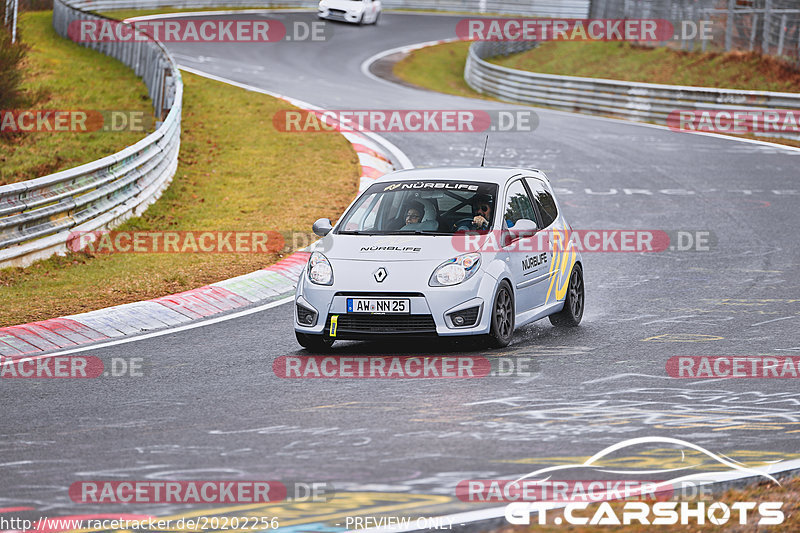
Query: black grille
(469, 315)
(353, 325)
(305, 316)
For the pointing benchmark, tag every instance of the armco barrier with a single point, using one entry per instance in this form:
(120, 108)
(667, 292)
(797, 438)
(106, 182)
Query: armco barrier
(642, 102)
(543, 8)
(37, 216)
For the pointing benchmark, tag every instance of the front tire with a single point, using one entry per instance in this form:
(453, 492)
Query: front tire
(314, 343)
(502, 320)
(571, 315)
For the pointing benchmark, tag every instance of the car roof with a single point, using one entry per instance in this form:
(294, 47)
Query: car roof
(497, 175)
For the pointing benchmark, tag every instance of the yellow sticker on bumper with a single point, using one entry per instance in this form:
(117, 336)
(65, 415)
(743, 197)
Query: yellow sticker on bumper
(334, 323)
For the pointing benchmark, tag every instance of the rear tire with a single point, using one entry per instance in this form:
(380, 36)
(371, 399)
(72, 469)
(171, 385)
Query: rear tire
(571, 315)
(314, 343)
(502, 319)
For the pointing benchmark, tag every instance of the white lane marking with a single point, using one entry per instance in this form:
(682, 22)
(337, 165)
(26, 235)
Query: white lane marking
(773, 320)
(159, 333)
(497, 512)
(368, 62)
(397, 154)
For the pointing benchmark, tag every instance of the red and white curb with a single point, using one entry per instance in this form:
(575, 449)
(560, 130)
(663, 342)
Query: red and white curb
(375, 155)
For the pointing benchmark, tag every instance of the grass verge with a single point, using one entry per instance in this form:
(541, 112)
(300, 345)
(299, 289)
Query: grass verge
(628, 62)
(60, 75)
(236, 172)
(441, 68)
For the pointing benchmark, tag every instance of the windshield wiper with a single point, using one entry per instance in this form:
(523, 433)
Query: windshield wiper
(415, 232)
(355, 232)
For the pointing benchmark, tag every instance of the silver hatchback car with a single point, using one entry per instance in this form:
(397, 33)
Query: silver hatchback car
(441, 252)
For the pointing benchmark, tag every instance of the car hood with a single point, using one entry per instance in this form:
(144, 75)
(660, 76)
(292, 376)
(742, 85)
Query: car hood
(343, 4)
(385, 248)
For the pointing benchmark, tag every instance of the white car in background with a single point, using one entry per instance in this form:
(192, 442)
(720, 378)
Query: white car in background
(358, 11)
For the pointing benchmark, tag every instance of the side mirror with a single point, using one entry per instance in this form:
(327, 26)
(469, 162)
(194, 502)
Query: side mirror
(522, 229)
(322, 227)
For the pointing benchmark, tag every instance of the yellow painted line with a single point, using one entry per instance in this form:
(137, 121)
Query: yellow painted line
(334, 406)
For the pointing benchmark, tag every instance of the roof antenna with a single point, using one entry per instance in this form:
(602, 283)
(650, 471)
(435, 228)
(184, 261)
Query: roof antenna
(483, 158)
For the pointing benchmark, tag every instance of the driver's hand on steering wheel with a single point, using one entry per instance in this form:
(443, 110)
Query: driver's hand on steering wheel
(479, 221)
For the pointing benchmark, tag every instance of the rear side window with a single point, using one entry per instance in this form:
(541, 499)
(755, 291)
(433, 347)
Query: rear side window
(544, 200)
(518, 205)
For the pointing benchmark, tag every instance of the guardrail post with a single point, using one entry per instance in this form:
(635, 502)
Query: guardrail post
(753, 31)
(14, 22)
(782, 35)
(765, 37)
(729, 26)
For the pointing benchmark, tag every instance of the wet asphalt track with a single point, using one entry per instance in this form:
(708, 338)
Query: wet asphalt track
(211, 407)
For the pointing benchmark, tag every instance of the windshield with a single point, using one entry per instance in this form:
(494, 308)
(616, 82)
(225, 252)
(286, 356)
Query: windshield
(421, 207)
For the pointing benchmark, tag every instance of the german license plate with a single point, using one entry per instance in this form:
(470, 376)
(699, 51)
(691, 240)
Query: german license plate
(379, 305)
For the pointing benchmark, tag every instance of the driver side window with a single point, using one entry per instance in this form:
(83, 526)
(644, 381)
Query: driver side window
(518, 205)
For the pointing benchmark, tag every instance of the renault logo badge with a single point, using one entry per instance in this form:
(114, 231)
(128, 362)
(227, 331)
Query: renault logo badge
(380, 274)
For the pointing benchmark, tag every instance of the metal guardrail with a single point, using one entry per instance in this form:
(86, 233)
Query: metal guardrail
(642, 102)
(543, 8)
(37, 216)
(769, 26)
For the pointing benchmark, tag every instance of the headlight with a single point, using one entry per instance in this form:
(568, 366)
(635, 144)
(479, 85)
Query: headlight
(455, 270)
(320, 270)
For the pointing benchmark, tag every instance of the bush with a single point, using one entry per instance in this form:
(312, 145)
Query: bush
(11, 56)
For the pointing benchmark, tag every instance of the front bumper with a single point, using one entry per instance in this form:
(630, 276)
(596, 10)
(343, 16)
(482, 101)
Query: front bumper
(432, 310)
(339, 14)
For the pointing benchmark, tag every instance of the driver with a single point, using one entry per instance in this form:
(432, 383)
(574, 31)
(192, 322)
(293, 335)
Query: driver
(482, 211)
